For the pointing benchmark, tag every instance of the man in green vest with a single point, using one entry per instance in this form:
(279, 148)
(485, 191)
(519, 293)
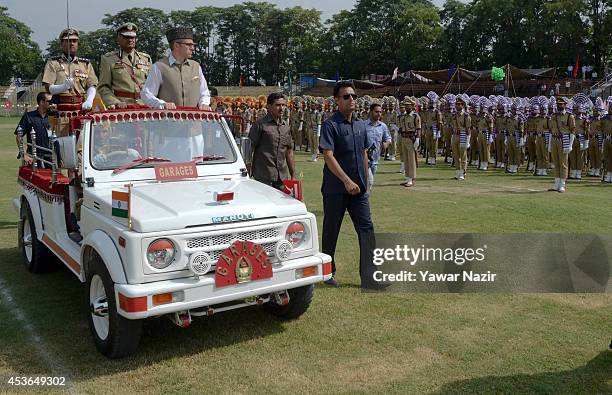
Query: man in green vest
(177, 81)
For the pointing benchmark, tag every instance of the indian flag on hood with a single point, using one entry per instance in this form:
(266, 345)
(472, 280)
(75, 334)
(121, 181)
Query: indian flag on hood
(121, 204)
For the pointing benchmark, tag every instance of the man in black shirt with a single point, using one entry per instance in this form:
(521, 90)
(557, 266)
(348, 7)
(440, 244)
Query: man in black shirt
(39, 121)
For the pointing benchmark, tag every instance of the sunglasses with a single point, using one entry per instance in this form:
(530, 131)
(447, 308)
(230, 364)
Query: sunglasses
(353, 95)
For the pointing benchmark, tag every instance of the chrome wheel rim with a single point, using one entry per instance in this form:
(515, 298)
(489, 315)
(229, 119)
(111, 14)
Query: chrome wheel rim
(27, 239)
(98, 306)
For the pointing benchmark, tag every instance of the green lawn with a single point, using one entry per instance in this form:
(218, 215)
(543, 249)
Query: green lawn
(347, 341)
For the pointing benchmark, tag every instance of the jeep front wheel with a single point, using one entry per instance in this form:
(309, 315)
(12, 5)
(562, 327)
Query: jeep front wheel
(115, 336)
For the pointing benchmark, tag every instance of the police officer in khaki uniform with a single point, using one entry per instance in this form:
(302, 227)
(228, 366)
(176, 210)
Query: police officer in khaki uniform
(462, 129)
(500, 133)
(596, 138)
(410, 133)
(432, 124)
(562, 125)
(447, 130)
(576, 156)
(538, 125)
(485, 131)
(70, 79)
(390, 119)
(123, 72)
(514, 148)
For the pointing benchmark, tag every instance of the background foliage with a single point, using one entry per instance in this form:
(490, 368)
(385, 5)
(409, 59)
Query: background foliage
(268, 45)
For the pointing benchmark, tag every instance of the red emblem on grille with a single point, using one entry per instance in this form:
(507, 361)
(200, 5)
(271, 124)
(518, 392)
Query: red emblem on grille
(242, 262)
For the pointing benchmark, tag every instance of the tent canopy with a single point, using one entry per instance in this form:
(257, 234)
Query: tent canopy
(463, 75)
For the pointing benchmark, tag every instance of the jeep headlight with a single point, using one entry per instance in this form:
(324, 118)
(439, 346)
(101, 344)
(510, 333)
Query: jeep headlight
(296, 233)
(160, 253)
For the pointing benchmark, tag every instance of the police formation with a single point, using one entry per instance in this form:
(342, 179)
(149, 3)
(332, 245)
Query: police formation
(563, 137)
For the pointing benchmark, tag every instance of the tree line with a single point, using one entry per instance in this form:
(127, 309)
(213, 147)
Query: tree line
(262, 44)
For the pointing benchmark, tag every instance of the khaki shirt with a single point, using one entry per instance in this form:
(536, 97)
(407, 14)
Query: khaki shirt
(563, 123)
(514, 124)
(308, 116)
(119, 73)
(431, 118)
(447, 122)
(462, 121)
(410, 122)
(582, 125)
(57, 69)
(485, 122)
(500, 123)
(389, 118)
(270, 143)
(536, 124)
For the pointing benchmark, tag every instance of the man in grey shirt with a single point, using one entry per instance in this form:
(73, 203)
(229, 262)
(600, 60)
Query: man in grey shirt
(270, 137)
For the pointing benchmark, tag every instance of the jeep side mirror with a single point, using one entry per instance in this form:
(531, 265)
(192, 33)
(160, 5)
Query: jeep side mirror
(67, 149)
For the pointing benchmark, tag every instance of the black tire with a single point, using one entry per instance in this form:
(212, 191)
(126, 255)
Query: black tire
(299, 301)
(36, 256)
(123, 335)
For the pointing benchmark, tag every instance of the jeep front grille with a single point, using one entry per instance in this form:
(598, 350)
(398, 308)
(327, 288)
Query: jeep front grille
(226, 238)
(215, 244)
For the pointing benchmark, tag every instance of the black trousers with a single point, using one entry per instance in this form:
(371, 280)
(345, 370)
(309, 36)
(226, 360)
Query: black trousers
(334, 207)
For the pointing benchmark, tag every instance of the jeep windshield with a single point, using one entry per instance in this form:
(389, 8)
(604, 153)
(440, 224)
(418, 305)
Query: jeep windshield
(116, 144)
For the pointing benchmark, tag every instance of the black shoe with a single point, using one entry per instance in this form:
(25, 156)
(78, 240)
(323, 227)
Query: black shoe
(332, 282)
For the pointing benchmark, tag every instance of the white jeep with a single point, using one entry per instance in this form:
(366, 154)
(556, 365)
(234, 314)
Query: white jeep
(170, 223)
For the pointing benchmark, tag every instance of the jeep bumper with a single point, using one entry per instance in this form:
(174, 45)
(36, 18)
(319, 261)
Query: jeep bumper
(135, 301)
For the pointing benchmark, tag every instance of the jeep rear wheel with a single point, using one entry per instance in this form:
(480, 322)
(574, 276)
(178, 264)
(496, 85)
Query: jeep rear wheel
(115, 336)
(299, 301)
(36, 256)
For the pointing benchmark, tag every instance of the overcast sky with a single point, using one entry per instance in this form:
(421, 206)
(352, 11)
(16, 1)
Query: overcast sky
(47, 21)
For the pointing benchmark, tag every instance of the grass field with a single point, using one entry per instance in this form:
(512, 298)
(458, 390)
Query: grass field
(347, 341)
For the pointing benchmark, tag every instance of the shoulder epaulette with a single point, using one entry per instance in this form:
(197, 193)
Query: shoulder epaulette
(144, 54)
(56, 57)
(83, 60)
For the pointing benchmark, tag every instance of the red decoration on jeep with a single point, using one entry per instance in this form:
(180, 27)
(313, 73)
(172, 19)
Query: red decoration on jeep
(242, 262)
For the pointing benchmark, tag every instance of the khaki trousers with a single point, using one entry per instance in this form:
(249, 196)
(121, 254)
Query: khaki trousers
(483, 148)
(541, 153)
(594, 154)
(575, 157)
(409, 157)
(559, 158)
(431, 144)
(459, 153)
(500, 147)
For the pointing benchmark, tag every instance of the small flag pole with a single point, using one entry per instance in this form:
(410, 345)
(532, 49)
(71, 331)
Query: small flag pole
(129, 218)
